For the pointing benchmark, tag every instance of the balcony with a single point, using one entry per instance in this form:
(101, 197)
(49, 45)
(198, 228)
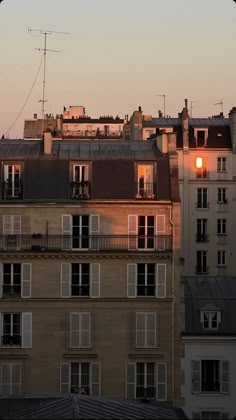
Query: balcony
(146, 191)
(11, 340)
(85, 244)
(80, 190)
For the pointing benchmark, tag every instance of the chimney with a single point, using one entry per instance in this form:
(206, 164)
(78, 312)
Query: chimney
(47, 142)
(160, 115)
(185, 127)
(232, 123)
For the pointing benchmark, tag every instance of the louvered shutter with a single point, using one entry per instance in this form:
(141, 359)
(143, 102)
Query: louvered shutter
(131, 381)
(140, 329)
(25, 280)
(67, 231)
(196, 376)
(225, 376)
(132, 232)
(161, 280)
(75, 329)
(1, 279)
(6, 378)
(16, 378)
(160, 232)
(65, 280)
(95, 379)
(26, 329)
(131, 280)
(85, 330)
(95, 280)
(12, 230)
(65, 378)
(161, 385)
(94, 230)
(151, 330)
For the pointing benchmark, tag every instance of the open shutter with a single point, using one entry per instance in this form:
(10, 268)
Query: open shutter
(225, 376)
(132, 231)
(85, 329)
(196, 376)
(67, 231)
(94, 230)
(65, 378)
(161, 280)
(161, 388)
(65, 280)
(16, 378)
(160, 232)
(140, 329)
(131, 280)
(95, 379)
(25, 280)
(75, 329)
(95, 280)
(26, 329)
(131, 381)
(1, 279)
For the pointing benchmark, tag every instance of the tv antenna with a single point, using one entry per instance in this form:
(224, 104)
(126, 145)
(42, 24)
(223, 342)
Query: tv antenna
(191, 107)
(221, 103)
(44, 49)
(164, 98)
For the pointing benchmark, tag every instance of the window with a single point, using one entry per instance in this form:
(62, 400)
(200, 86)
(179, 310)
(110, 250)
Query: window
(80, 378)
(146, 280)
(10, 378)
(202, 172)
(222, 195)
(210, 320)
(221, 258)
(201, 229)
(147, 232)
(12, 231)
(221, 164)
(201, 267)
(221, 227)
(12, 181)
(15, 280)
(202, 198)
(146, 380)
(81, 187)
(145, 186)
(80, 231)
(210, 376)
(146, 329)
(16, 329)
(200, 135)
(80, 329)
(80, 280)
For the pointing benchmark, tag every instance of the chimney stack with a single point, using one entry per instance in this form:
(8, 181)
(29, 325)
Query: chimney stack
(185, 127)
(47, 142)
(232, 123)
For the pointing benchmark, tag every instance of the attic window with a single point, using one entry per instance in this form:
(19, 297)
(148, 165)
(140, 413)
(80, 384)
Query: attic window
(200, 135)
(210, 320)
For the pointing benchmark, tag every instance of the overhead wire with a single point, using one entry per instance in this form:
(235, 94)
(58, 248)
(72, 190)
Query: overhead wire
(22, 108)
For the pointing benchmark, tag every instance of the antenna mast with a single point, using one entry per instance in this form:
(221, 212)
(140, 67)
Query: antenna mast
(164, 98)
(221, 103)
(45, 33)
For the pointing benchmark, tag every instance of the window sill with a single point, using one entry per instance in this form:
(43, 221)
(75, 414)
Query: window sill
(80, 354)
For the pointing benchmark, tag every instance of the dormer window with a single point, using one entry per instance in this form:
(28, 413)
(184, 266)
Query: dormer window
(12, 181)
(81, 184)
(200, 135)
(145, 184)
(210, 320)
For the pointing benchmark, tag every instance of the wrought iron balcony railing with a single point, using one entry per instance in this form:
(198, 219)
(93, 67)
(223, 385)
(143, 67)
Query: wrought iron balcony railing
(11, 340)
(80, 190)
(146, 191)
(11, 291)
(12, 192)
(98, 243)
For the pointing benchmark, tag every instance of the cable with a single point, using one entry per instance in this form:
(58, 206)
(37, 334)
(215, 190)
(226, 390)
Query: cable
(26, 98)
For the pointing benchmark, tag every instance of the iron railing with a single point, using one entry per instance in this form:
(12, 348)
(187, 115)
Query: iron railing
(98, 243)
(146, 191)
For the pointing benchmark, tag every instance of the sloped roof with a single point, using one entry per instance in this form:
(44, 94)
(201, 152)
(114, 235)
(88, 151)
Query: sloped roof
(86, 407)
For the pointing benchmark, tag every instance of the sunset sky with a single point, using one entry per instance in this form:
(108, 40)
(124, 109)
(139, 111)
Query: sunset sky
(117, 56)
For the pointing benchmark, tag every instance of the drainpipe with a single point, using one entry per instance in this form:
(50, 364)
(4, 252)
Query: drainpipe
(173, 307)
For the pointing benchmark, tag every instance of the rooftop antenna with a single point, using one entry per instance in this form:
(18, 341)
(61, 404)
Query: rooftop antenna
(191, 107)
(164, 98)
(221, 103)
(44, 49)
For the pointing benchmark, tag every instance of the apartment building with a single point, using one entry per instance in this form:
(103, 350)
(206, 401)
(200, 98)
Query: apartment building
(90, 269)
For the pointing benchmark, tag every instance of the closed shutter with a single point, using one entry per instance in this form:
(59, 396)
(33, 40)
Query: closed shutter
(131, 280)
(95, 280)
(95, 379)
(65, 378)
(131, 381)
(160, 232)
(65, 280)
(94, 230)
(80, 330)
(12, 231)
(132, 232)
(161, 383)
(26, 329)
(6, 378)
(140, 329)
(75, 330)
(151, 330)
(161, 280)
(25, 280)
(16, 378)
(196, 376)
(67, 231)
(225, 376)
(85, 330)
(1, 279)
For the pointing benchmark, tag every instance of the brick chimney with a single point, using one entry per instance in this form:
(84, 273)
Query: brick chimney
(47, 142)
(185, 127)
(232, 123)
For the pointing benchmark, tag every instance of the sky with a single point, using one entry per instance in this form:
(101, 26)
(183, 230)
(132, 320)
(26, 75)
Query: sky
(115, 56)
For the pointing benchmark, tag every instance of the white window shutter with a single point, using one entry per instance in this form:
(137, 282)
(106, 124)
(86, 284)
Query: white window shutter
(6, 378)
(132, 231)
(75, 329)
(1, 279)
(160, 224)
(16, 378)
(26, 280)
(11, 224)
(95, 379)
(151, 330)
(26, 329)
(65, 280)
(140, 329)
(16, 225)
(161, 280)
(85, 330)
(131, 280)
(67, 231)
(131, 381)
(225, 381)
(196, 376)
(95, 280)
(161, 382)
(94, 230)
(65, 378)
